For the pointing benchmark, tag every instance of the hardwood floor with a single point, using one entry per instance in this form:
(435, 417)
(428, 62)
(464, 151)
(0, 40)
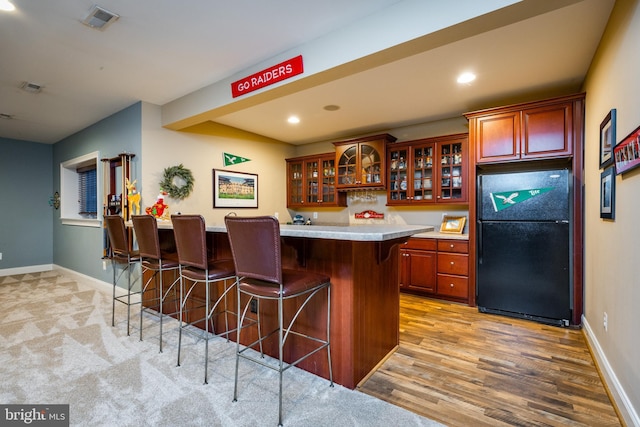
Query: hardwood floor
(464, 368)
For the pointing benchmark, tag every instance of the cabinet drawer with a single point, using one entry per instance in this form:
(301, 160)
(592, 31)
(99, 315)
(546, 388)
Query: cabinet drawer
(424, 244)
(453, 264)
(453, 286)
(459, 246)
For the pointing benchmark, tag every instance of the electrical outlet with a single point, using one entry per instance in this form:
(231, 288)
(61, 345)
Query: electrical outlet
(605, 321)
(315, 215)
(104, 265)
(0, 256)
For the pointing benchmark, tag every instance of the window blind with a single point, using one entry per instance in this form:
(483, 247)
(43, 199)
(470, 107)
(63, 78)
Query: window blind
(88, 191)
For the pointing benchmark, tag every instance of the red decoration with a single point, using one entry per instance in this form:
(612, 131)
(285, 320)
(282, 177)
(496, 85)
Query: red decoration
(269, 76)
(369, 214)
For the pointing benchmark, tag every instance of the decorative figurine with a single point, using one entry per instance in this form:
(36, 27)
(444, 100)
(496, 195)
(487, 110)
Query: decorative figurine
(133, 197)
(159, 209)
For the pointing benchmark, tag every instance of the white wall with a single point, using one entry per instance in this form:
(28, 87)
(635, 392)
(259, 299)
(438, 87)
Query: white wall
(612, 255)
(201, 151)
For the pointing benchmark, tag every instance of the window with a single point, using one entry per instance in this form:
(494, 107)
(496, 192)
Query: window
(87, 191)
(79, 201)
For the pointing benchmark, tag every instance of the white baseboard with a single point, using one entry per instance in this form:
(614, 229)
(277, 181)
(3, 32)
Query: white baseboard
(25, 270)
(627, 411)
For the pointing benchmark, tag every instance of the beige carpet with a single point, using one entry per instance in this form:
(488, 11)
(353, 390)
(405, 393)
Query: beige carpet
(57, 346)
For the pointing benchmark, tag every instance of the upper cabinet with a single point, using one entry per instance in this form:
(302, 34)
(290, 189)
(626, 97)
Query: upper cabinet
(431, 170)
(537, 130)
(311, 181)
(360, 163)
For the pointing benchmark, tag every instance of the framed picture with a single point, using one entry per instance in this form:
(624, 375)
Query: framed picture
(234, 189)
(607, 139)
(607, 193)
(627, 153)
(453, 224)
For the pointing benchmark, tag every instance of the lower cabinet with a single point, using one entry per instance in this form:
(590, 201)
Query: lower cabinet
(418, 265)
(436, 268)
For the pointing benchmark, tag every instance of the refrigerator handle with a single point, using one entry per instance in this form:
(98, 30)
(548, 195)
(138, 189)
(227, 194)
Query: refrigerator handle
(479, 237)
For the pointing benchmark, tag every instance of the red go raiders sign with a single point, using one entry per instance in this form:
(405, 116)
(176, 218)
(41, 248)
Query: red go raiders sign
(269, 76)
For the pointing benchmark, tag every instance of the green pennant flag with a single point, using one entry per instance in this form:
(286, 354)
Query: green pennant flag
(232, 159)
(506, 199)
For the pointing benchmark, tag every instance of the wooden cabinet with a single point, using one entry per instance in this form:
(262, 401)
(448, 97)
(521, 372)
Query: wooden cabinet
(549, 132)
(418, 265)
(436, 268)
(311, 181)
(425, 171)
(453, 269)
(539, 130)
(360, 162)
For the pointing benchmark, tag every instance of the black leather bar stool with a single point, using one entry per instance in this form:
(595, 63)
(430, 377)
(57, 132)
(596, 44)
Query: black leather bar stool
(155, 261)
(197, 267)
(255, 246)
(124, 258)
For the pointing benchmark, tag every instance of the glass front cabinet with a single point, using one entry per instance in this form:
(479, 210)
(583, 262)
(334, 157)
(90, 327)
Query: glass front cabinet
(431, 170)
(361, 162)
(311, 181)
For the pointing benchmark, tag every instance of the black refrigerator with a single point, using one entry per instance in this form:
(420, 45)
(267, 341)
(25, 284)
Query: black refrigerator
(524, 245)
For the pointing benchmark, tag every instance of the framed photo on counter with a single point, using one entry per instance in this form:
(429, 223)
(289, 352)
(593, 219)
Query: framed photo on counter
(453, 224)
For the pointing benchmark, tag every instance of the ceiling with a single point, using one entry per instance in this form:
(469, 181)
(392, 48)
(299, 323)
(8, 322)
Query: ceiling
(160, 51)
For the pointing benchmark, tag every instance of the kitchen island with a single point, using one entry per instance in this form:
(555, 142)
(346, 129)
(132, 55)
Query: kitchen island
(363, 263)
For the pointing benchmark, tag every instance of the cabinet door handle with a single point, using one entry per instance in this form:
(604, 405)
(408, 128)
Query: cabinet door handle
(451, 284)
(451, 262)
(451, 246)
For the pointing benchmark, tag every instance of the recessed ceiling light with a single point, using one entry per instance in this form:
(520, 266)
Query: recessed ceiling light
(7, 6)
(293, 120)
(331, 107)
(466, 77)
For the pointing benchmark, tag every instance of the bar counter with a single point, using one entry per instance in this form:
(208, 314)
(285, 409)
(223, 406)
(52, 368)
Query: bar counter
(363, 233)
(363, 263)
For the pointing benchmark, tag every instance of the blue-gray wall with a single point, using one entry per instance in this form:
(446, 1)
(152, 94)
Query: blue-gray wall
(80, 248)
(25, 214)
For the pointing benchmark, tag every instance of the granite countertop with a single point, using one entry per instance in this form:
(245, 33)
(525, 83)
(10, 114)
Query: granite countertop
(438, 235)
(368, 233)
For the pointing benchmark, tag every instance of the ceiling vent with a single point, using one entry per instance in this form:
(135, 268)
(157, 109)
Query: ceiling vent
(30, 87)
(99, 18)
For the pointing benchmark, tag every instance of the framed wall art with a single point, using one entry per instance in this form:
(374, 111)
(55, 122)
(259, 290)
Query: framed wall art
(453, 224)
(607, 139)
(607, 193)
(627, 153)
(234, 189)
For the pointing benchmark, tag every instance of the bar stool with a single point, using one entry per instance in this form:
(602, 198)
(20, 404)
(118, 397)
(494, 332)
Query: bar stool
(255, 246)
(122, 256)
(197, 267)
(156, 261)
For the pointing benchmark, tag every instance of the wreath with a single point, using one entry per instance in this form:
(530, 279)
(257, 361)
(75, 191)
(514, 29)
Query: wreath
(172, 189)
